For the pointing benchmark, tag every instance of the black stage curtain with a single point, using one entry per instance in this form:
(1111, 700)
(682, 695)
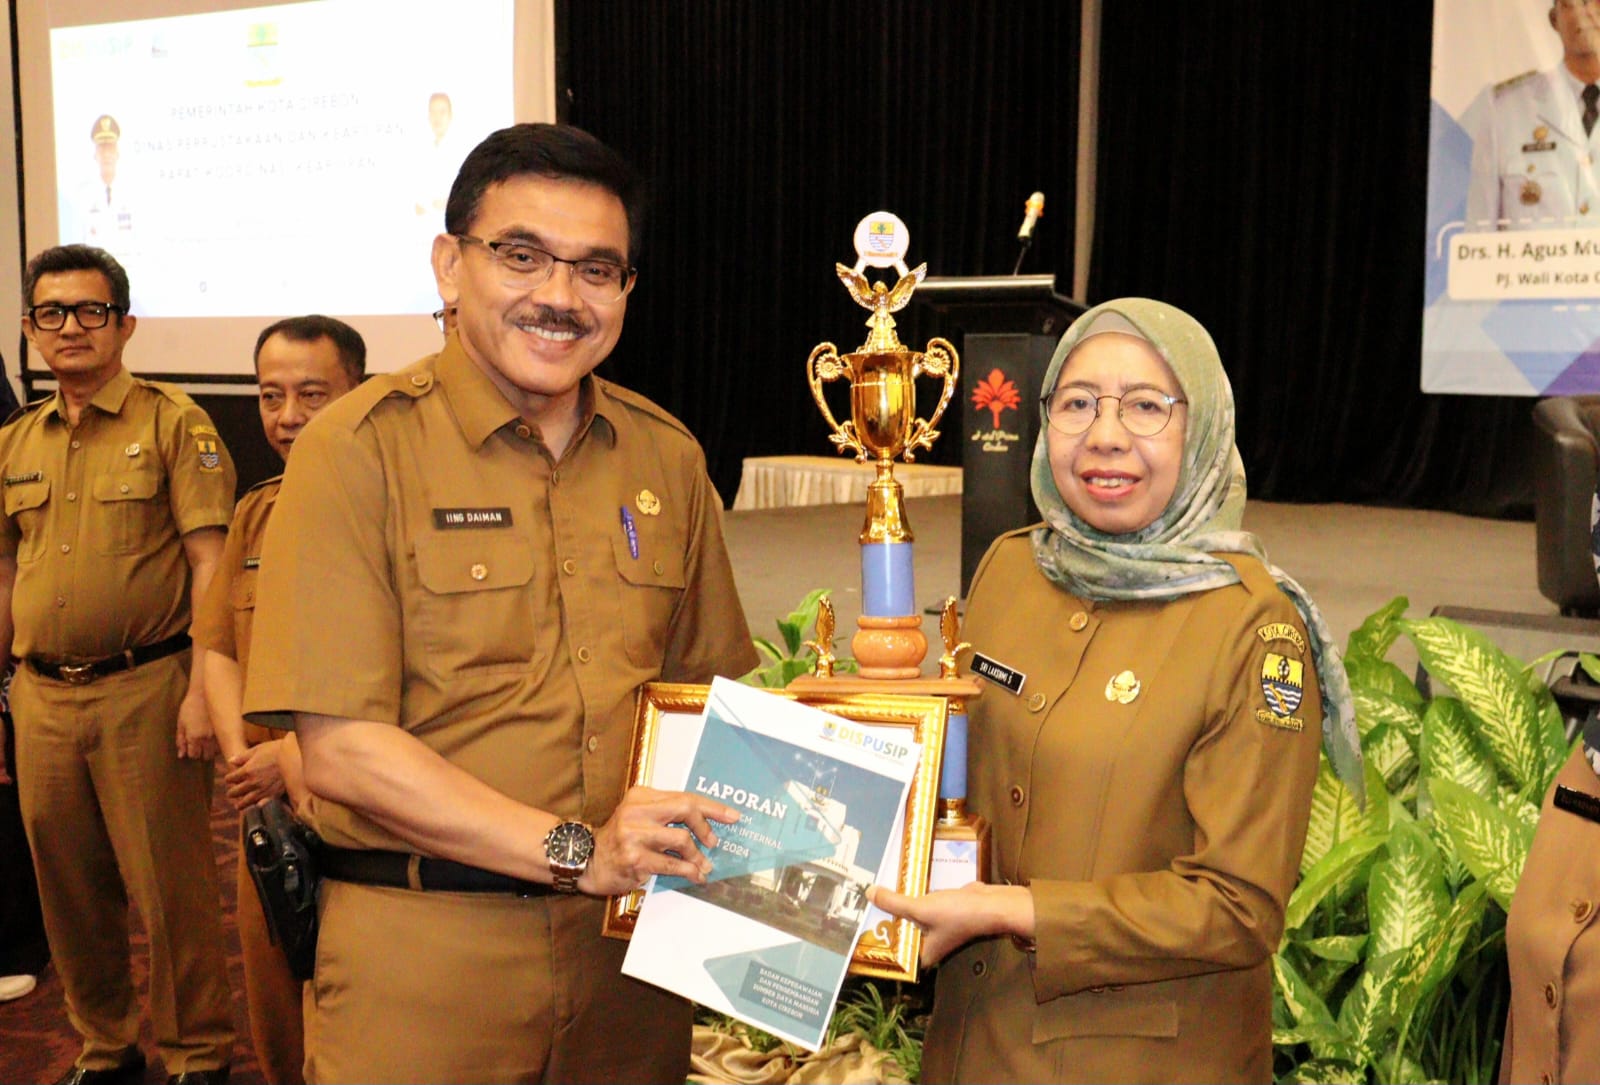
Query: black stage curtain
(1261, 165)
(1264, 166)
(768, 130)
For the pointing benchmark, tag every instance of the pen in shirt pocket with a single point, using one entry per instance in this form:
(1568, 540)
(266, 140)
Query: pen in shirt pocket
(631, 532)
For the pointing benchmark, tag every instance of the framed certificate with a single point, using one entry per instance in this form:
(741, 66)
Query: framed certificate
(665, 730)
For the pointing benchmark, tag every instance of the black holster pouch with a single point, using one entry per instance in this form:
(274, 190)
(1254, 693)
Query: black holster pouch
(280, 853)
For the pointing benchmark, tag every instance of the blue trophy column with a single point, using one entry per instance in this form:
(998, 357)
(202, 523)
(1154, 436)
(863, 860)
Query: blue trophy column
(887, 590)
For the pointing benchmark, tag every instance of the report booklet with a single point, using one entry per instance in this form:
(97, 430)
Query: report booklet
(769, 938)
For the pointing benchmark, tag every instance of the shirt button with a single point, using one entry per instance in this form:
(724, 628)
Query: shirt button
(524, 431)
(1078, 621)
(123, 488)
(1036, 702)
(71, 496)
(979, 968)
(1550, 995)
(583, 655)
(66, 548)
(657, 568)
(479, 571)
(1017, 795)
(60, 601)
(419, 381)
(593, 744)
(77, 444)
(569, 566)
(555, 478)
(1582, 910)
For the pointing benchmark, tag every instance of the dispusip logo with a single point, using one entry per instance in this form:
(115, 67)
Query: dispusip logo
(856, 736)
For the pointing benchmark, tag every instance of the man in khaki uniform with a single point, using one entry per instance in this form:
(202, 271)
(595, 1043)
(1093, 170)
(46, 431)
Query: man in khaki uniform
(117, 495)
(1551, 943)
(302, 364)
(474, 564)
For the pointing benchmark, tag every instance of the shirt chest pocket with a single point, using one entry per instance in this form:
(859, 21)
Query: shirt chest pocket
(475, 611)
(26, 504)
(129, 505)
(649, 587)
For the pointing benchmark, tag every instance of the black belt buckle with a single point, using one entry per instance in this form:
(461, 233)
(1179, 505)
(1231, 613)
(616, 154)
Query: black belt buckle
(77, 674)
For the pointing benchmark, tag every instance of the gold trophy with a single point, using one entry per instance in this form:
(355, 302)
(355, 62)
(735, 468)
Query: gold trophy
(889, 643)
(883, 424)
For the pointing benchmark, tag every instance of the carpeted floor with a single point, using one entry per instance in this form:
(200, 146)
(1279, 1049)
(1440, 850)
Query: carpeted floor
(1352, 560)
(37, 1043)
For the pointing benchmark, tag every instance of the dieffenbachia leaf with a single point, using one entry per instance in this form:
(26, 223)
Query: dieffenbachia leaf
(1342, 861)
(1490, 684)
(1406, 894)
(1491, 842)
(1336, 816)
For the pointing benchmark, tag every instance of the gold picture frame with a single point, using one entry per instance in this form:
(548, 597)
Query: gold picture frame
(888, 950)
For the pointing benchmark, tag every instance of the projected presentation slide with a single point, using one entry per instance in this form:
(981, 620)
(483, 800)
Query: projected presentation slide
(276, 159)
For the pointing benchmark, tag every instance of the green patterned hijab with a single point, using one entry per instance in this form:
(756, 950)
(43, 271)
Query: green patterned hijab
(1176, 554)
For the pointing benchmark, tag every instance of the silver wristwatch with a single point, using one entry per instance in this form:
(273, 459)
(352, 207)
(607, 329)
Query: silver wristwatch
(568, 847)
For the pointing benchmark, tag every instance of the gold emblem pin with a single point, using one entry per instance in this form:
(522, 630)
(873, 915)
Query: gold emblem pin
(1539, 133)
(648, 503)
(1122, 688)
(1531, 192)
(133, 449)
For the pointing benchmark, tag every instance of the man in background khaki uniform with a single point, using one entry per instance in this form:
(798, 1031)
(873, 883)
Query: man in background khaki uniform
(303, 363)
(474, 564)
(117, 495)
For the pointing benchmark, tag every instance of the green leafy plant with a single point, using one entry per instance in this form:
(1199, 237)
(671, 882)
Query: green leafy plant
(895, 1024)
(794, 657)
(1392, 966)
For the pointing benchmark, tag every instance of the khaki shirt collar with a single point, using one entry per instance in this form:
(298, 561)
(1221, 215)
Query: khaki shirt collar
(109, 399)
(480, 409)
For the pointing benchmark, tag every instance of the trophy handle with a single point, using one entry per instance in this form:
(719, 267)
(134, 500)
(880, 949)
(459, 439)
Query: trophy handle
(939, 360)
(823, 365)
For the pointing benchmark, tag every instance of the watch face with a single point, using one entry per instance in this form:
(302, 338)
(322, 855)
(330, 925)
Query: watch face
(570, 844)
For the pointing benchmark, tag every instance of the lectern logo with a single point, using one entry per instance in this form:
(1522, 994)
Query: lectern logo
(996, 393)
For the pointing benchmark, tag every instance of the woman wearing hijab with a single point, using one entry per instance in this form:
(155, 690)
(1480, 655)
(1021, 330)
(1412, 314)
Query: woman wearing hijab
(1149, 781)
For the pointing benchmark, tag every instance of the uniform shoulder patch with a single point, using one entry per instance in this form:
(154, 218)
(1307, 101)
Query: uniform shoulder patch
(208, 446)
(1283, 676)
(1514, 82)
(628, 397)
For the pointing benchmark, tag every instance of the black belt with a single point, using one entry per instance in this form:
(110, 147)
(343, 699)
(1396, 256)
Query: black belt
(81, 674)
(399, 870)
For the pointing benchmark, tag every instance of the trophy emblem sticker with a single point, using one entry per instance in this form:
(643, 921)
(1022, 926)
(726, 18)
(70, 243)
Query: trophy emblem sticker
(882, 240)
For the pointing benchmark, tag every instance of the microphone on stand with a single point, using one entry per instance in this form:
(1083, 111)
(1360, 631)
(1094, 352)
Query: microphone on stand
(1032, 211)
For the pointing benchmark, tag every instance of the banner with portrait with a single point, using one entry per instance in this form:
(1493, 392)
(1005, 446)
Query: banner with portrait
(1512, 296)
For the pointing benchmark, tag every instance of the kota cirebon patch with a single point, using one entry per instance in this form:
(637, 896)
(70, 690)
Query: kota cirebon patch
(1283, 684)
(210, 453)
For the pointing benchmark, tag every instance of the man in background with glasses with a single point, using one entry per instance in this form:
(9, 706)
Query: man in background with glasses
(117, 494)
(474, 564)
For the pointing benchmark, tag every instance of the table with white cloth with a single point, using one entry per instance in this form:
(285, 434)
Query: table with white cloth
(771, 482)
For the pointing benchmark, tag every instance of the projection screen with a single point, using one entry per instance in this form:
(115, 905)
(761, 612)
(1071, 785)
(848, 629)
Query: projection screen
(247, 161)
